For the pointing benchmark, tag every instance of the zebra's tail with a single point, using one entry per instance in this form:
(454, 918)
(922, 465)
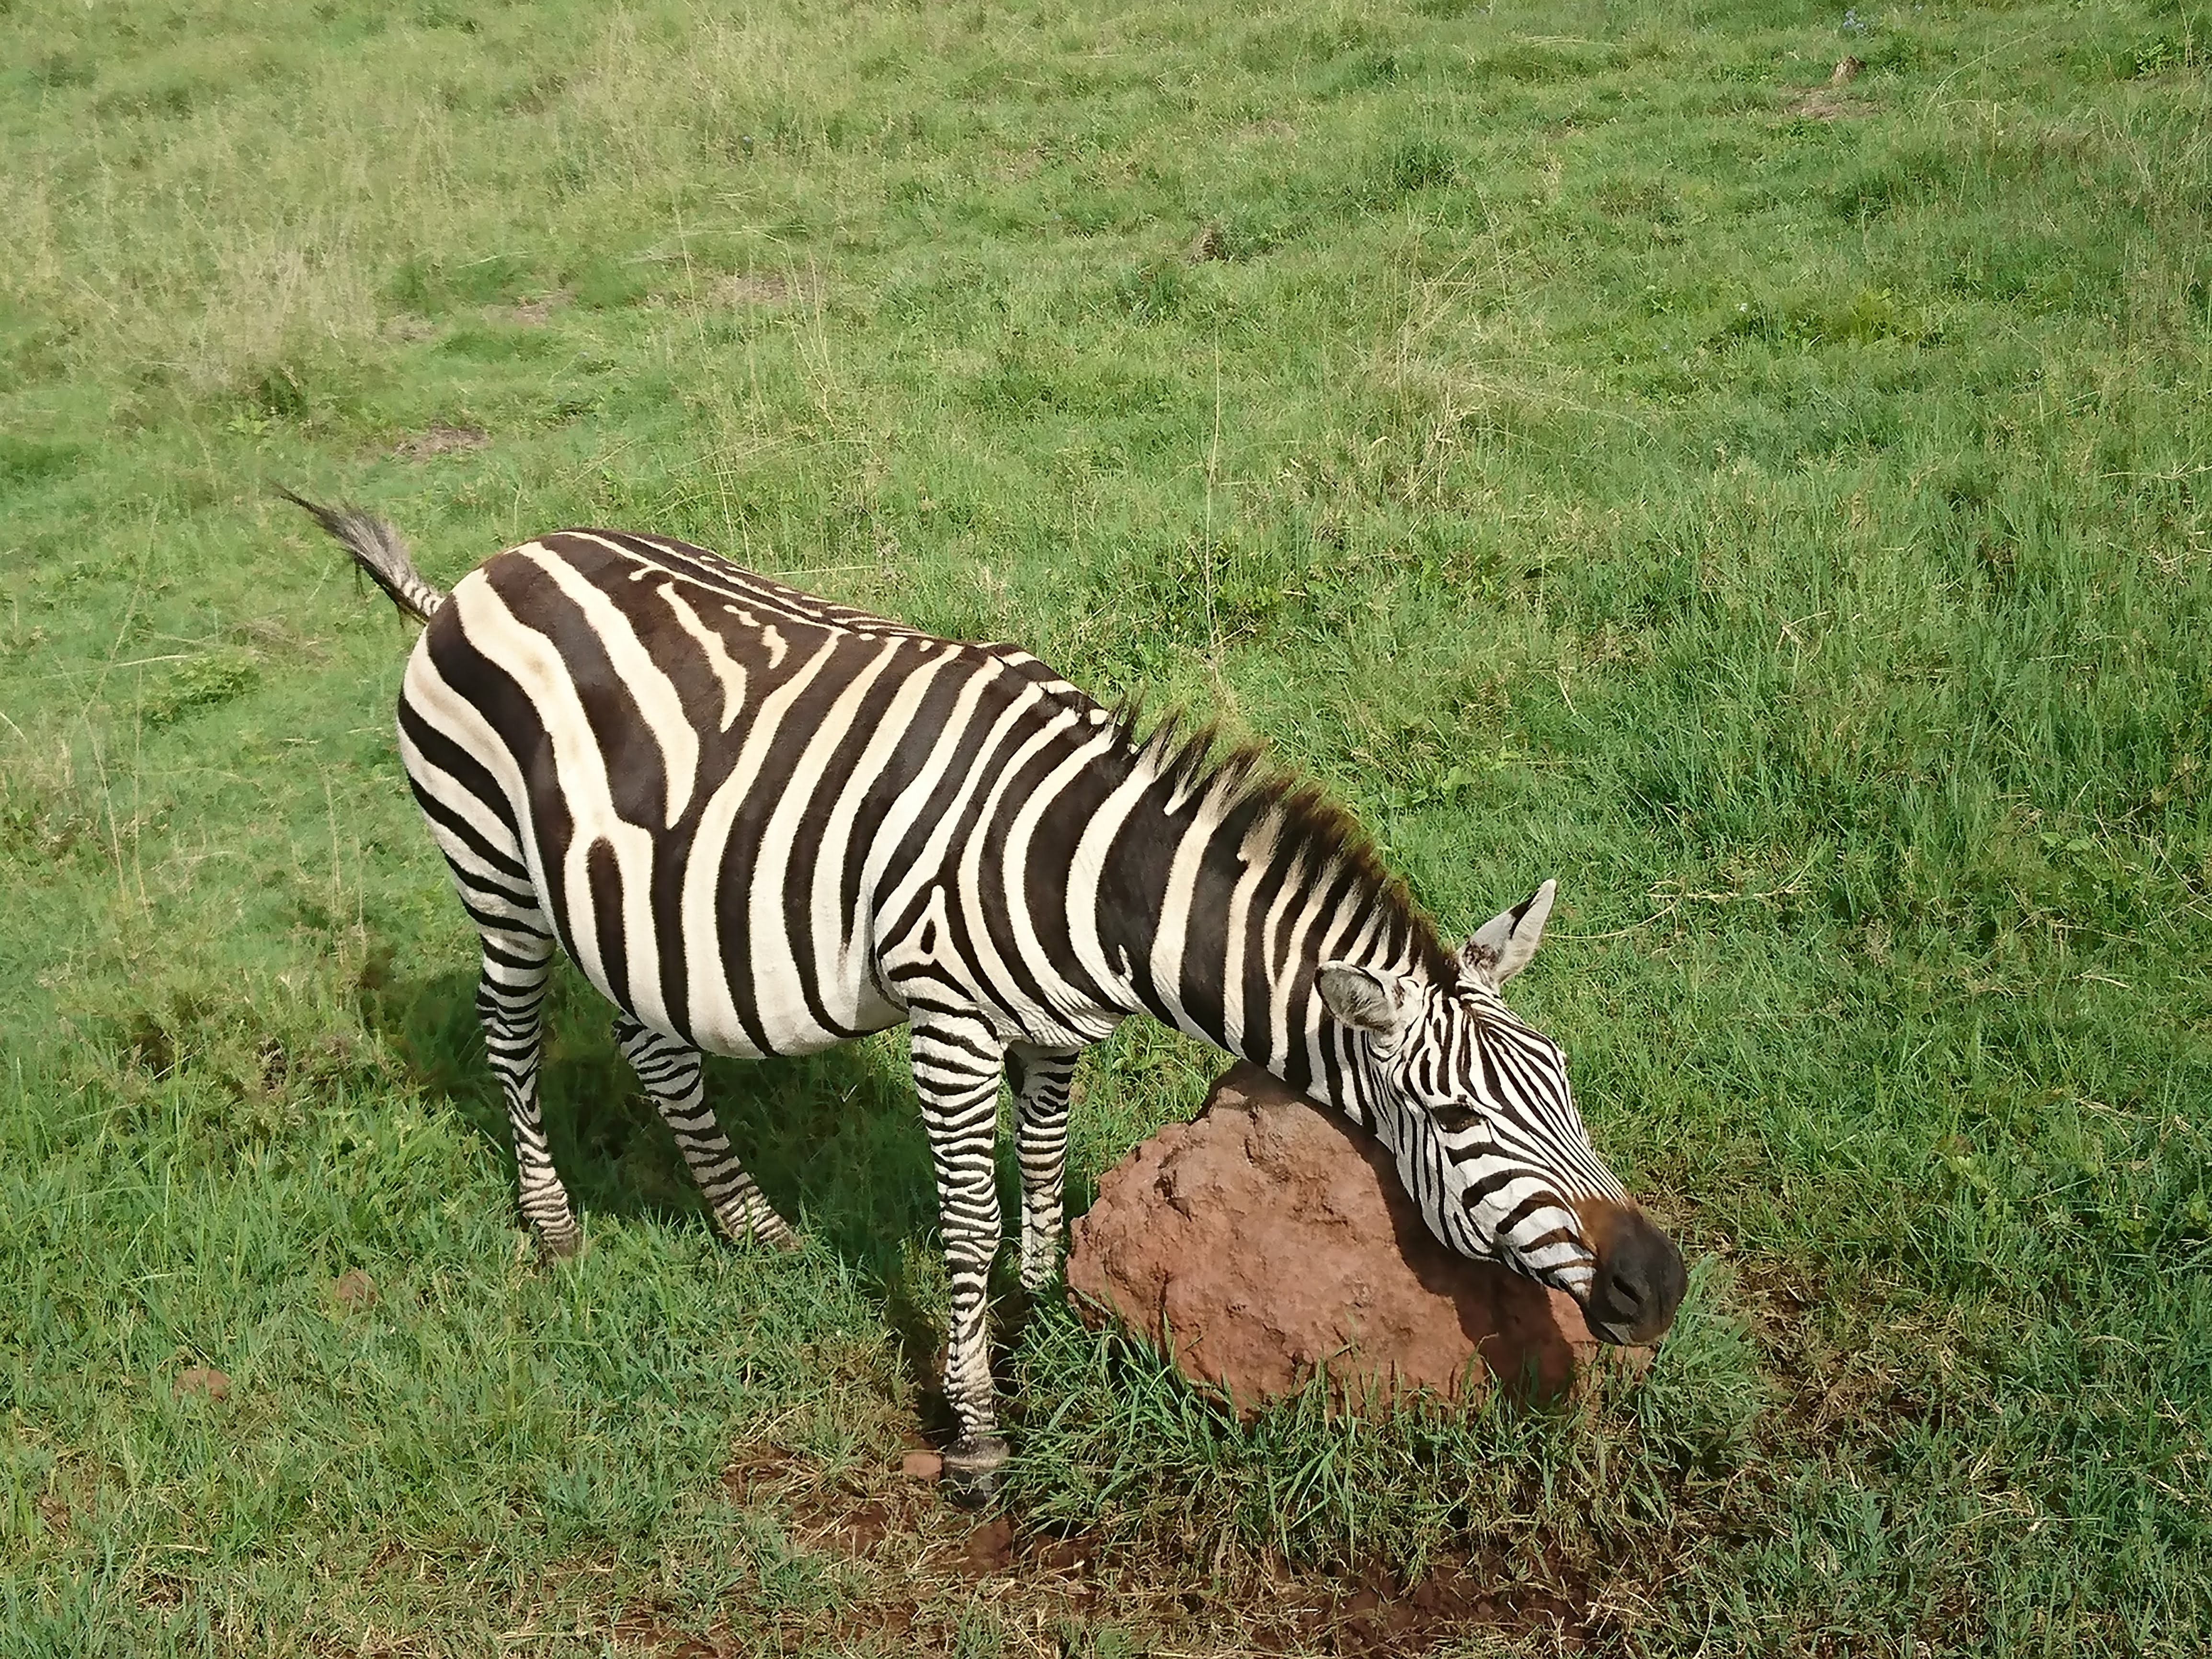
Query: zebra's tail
(377, 548)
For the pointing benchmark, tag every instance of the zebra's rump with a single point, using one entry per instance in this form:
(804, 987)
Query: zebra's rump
(706, 784)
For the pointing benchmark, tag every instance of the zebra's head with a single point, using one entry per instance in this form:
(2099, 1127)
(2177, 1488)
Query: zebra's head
(1474, 1102)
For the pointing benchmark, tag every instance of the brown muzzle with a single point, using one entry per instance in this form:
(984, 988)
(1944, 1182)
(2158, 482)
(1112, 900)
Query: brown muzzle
(1640, 1279)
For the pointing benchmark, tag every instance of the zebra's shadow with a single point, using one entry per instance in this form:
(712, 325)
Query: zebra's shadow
(835, 1139)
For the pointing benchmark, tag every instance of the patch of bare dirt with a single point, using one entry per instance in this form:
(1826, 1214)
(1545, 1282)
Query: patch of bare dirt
(203, 1382)
(919, 1564)
(990, 1547)
(756, 1469)
(750, 290)
(441, 440)
(354, 1290)
(537, 312)
(648, 1630)
(1376, 1614)
(1831, 102)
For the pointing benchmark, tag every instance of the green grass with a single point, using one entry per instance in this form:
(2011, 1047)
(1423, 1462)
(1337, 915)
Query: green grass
(1782, 517)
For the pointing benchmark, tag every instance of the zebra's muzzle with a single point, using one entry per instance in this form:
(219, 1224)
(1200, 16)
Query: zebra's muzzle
(1639, 1280)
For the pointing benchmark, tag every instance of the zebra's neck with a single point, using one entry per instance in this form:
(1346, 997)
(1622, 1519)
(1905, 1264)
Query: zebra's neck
(1219, 887)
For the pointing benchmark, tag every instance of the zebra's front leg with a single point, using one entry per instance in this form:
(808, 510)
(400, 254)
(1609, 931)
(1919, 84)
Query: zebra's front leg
(957, 1064)
(1042, 1079)
(669, 1070)
(510, 1004)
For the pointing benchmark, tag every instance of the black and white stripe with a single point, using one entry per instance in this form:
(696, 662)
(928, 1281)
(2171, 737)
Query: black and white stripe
(761, 823)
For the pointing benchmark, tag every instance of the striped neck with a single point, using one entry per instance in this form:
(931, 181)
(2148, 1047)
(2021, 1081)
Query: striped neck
(1223, 886)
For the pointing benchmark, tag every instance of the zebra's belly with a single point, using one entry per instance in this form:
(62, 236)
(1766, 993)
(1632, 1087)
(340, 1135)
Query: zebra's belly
(746, 979)
(791, 1025)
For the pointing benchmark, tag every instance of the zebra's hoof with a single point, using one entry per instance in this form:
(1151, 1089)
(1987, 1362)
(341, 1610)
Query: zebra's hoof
(561, 1246)
(973, 1466)
(746, 1237)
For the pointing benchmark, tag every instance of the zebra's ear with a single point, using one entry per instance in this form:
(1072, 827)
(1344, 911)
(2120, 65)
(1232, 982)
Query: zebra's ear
(1360, 997)
(1502, 946)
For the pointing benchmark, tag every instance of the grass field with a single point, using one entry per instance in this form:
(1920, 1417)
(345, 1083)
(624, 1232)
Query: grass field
(1585, 437)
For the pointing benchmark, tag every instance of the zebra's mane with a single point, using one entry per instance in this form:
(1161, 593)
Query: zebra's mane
(1310, 824)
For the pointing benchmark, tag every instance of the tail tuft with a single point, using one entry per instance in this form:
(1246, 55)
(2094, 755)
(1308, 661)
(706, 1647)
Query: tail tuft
(377, 548)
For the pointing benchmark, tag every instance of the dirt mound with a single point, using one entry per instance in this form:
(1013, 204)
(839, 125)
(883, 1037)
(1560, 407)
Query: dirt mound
(1269, 1238)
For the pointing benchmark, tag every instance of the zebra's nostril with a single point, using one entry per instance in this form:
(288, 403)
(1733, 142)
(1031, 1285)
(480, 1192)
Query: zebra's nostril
(1626, 1295)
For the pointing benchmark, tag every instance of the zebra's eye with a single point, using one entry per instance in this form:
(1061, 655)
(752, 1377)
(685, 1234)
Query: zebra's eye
(1454, 1119)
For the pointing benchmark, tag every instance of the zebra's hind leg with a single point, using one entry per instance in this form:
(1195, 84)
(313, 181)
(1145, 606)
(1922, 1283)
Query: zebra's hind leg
(957, 1063)
(669, 1069)
(1043, 1079)
(510, 1004)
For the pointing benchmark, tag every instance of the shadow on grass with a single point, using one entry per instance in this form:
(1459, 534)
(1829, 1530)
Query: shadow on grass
(835, 1139)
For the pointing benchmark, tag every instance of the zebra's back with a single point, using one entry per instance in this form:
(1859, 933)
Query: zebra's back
(718, 791)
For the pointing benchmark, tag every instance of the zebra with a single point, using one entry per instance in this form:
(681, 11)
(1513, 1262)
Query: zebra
(761, 822)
